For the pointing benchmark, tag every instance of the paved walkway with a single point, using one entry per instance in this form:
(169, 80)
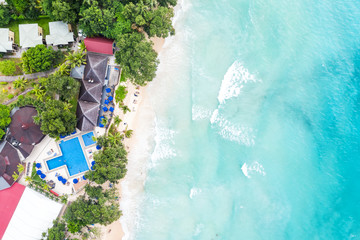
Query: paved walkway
(27, 76)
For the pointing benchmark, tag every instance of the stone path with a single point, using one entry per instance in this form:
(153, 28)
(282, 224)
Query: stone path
(27, 76)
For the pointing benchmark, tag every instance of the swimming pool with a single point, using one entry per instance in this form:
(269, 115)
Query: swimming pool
(88, 139)
(73, 157)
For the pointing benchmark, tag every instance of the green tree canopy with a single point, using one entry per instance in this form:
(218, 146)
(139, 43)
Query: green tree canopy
(110, 165)
(56, 119)
(7, 67)
(83, 212)
(5, 119)
(5, 15)
(57, 231)
(67, 87)
(62, 10)
(96, 20)
(154, 21)
(38, 59)
(27, 8)
(137, 58)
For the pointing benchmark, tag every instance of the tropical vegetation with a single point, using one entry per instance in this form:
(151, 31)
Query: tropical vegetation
(5, 119)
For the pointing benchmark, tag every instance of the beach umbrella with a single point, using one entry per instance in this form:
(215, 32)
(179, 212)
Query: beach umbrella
(106, 101)
(101, 125)
(43, 176)
(92, 168)
(38, 165)
(105, 109)
(111, 109)
(102, 117)
(108, 90)
(110, 98)
(74, 132)
(63, 180)
(84, 177)
(98, 147)
(61, 136)
(92, 163)
(75, 181)
(60, 178)
(38, 172)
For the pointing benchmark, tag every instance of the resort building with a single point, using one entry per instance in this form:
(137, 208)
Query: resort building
(23, 134)
(25, 213)
(91, 91)
(6, 40)
(60, 34)
(100, 45)
(30, 35)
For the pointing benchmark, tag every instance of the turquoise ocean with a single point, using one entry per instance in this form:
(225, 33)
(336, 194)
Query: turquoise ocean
(256, 128)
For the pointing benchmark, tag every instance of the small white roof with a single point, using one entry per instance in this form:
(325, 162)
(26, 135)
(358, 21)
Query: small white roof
(33, 215)
(29, 35)
(5, 44)
(59, 34)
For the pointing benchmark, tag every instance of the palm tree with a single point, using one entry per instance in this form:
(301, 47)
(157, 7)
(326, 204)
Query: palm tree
(115, 138)
(67, 106)
(20, 168)
(82, 47)
(20, 83)
(28, 179)
(38, 91)
(125, 109)
(63, 70)
(76, 59)
(15, 176)
(117, 120)
(128, 133)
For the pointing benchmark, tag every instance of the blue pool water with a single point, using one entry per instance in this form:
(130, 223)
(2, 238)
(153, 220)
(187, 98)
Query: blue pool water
(88, 139)
(73, 157)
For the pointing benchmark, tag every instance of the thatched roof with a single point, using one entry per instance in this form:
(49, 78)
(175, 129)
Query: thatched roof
(88, 113)
(9, 159)
(95, 67)
(90, 92)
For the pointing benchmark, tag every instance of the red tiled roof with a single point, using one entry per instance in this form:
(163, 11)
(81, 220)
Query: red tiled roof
(99, 45)
(9, 199)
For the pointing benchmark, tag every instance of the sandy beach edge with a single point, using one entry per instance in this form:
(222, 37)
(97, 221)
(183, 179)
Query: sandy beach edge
(115, 230)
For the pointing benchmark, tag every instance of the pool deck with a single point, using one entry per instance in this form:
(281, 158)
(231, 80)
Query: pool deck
(48, 149)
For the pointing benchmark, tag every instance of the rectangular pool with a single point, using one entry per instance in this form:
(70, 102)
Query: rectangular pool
(88, 139)
(73, 157)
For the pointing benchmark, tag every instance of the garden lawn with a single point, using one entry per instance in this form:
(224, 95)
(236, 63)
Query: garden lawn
(42, 21)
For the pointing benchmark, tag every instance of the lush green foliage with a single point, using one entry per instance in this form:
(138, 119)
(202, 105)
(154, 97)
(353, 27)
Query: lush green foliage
(39, 58)
(28, 8)
(65, 86)
(56, 232)
(76, 59)
(5, 15)
(154, 21)
(7, 67)
(120, 94)
(56, 119)
(4, 119)
(20, 83)
(62, 10)
(137, 58)
(28, 100)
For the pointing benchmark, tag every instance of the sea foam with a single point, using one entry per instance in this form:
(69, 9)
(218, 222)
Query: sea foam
(255, 167)
(235, 78)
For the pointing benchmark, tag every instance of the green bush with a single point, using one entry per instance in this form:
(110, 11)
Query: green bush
(7, 67)
(10, 96)
(120, 94)
(3, 83)
(21, 97)
(39, 59)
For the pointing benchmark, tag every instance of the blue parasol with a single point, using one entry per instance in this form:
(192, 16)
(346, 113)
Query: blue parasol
(38, 165)
(105, 109)
(111, 109)
(60, 178)
(64, 181)
(84, 177)
(102, 117)
(92, 163)
(98, 147)
(108, 90)
(101, 125)
(38, 172)
(106, 101)
(110, 98)
(74, 132)
(43, 176)
(75, 181)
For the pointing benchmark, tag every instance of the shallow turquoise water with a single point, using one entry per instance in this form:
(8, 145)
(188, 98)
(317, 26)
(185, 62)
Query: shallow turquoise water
(257, 123)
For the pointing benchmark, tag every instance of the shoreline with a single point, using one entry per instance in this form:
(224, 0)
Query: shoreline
(135, 121)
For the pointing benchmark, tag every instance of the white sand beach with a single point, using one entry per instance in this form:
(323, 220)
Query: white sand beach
(139, 120)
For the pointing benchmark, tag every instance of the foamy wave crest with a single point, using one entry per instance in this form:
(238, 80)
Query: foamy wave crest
(198, 229)
(255, 167)
(235, 78)
(194, 192)
(200, 113)
(164, 144)
(241, 134)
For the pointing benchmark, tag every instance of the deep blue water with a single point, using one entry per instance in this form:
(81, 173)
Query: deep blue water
(257, 123)
(73, 157)
(88, 139)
